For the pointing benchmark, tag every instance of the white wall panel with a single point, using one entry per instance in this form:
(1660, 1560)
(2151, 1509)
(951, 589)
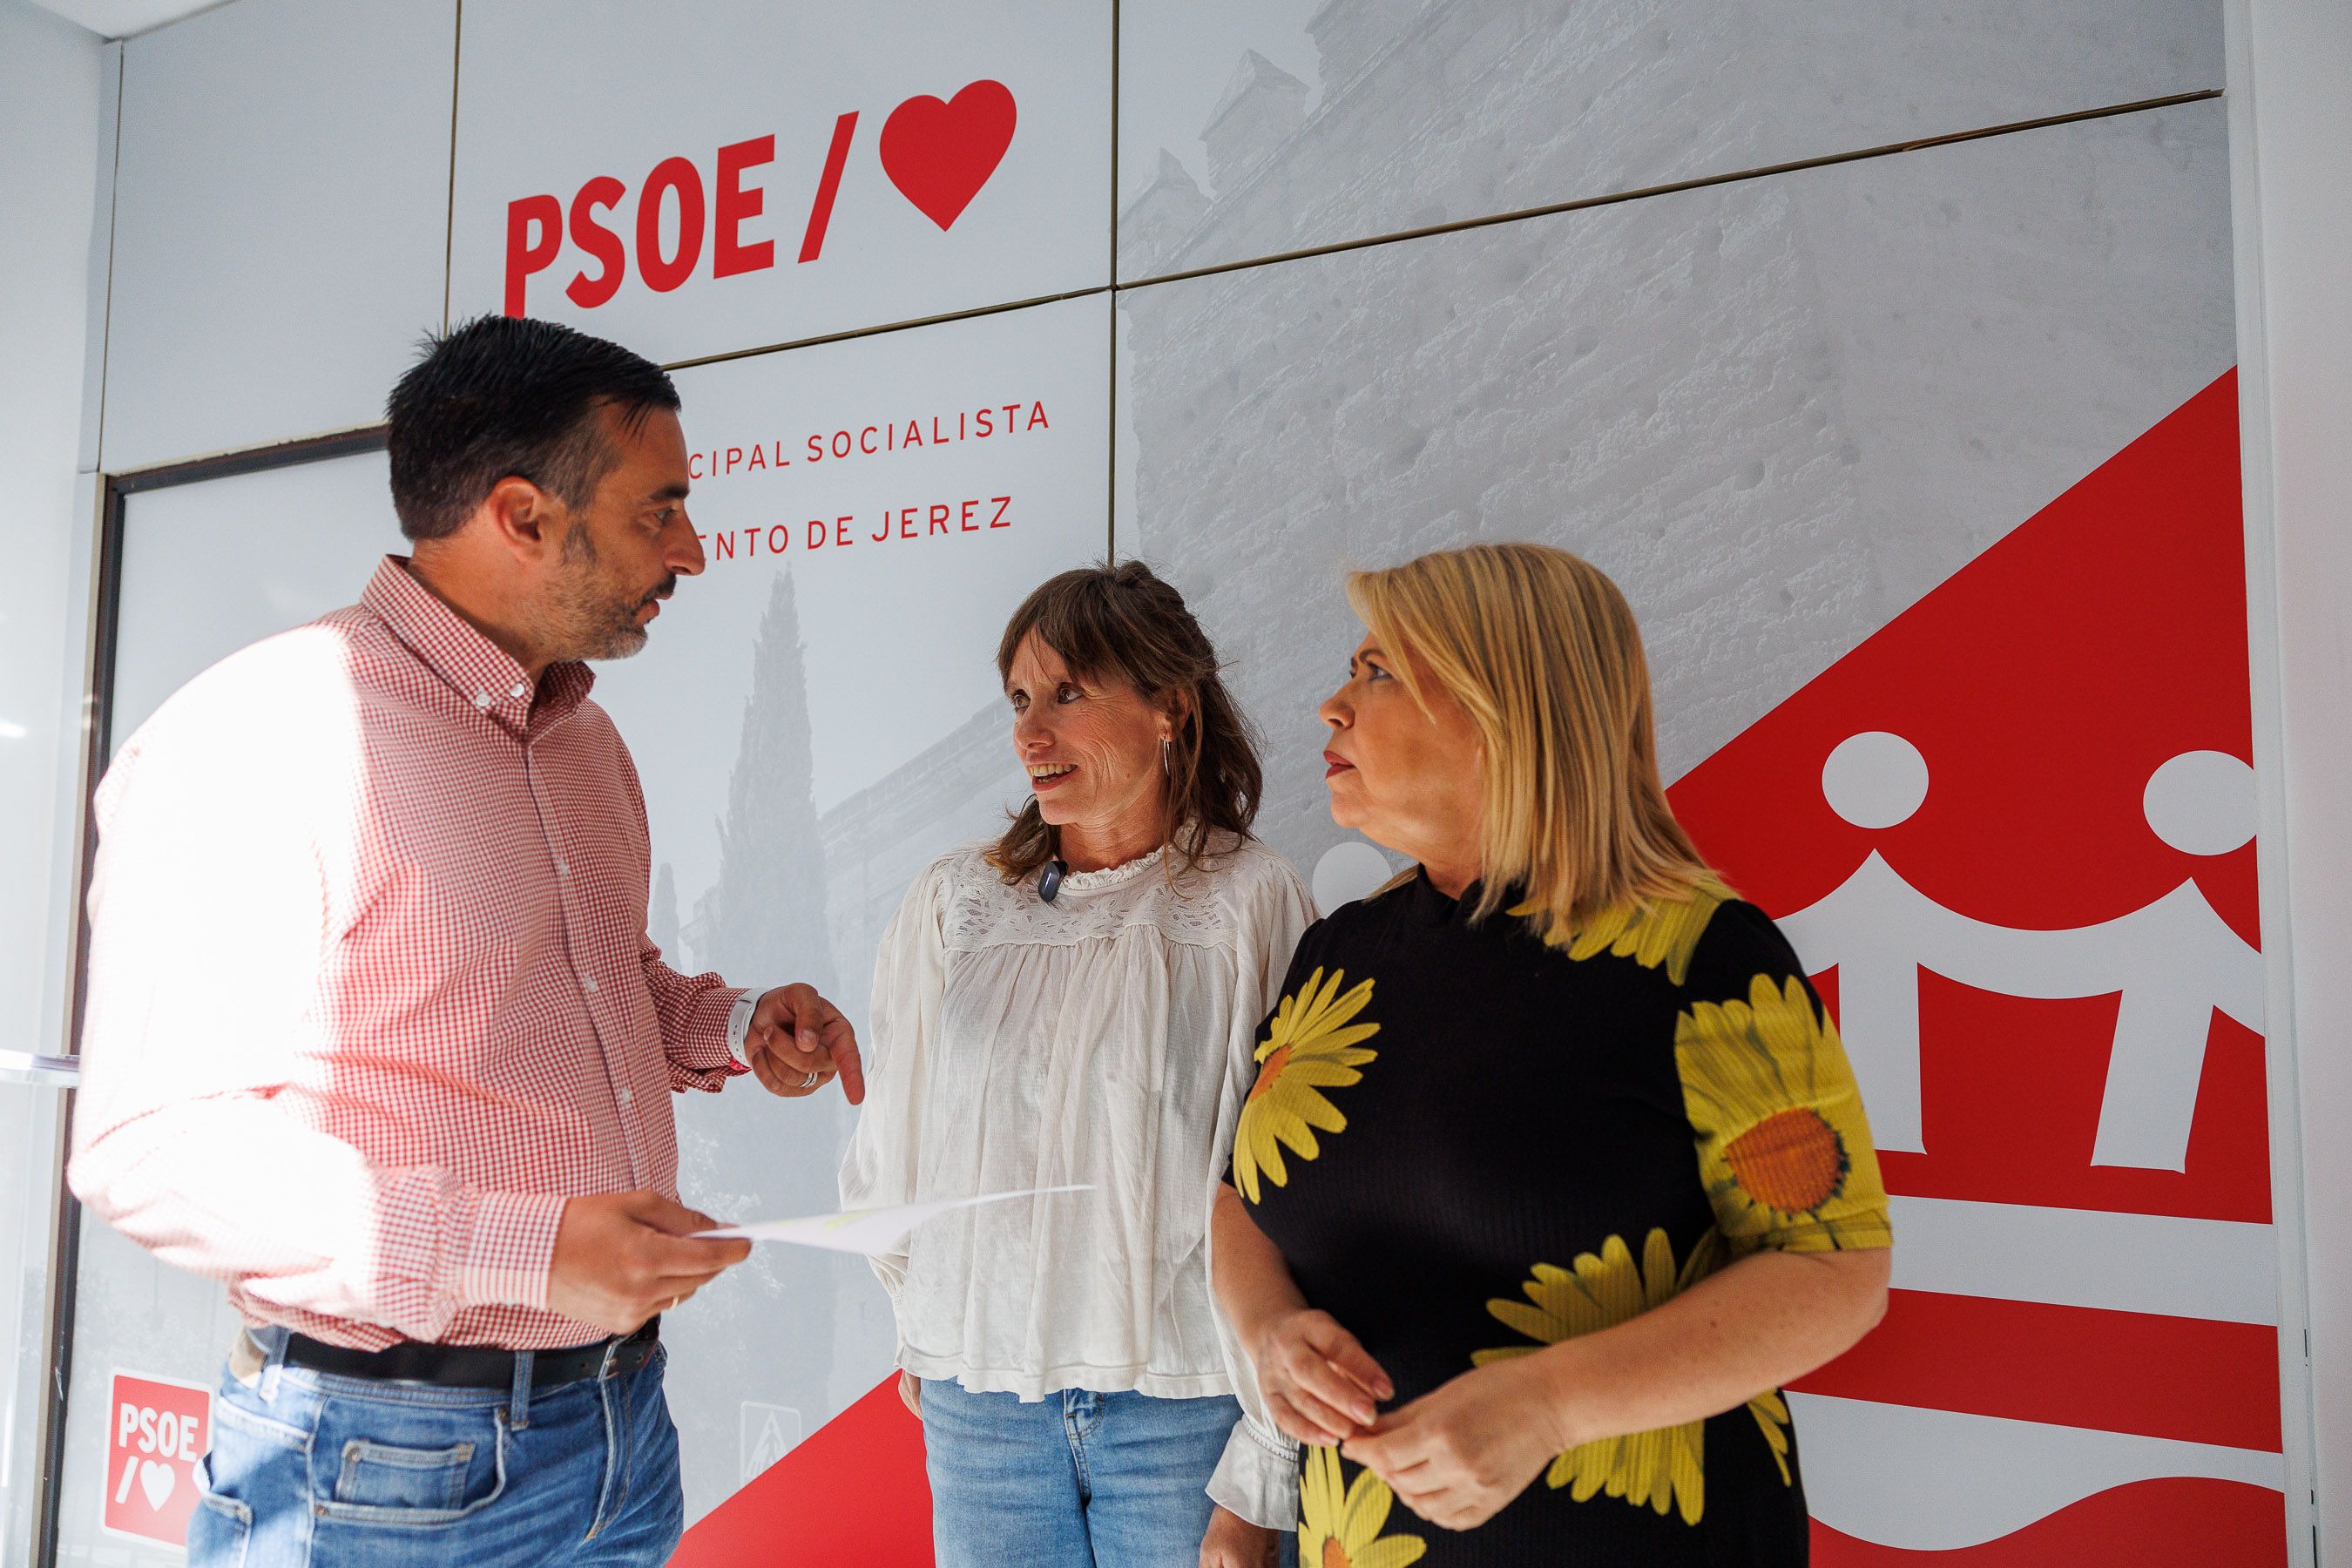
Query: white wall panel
(642, 85)
(212, 566)
(1779, 412)
(1312, 122)
(52, 89)
(813, 722)
(2291, 122)
(100, 264)
(51, 75)
(282, 221)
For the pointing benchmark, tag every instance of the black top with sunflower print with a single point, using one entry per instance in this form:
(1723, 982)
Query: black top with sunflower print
(1469, 1142)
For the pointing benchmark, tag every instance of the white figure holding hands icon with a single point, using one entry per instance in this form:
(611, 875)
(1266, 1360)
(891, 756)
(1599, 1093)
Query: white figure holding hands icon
(2174, 962)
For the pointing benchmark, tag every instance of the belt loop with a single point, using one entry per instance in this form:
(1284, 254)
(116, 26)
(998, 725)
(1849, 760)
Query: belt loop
(519, 1400)
(273, 1341)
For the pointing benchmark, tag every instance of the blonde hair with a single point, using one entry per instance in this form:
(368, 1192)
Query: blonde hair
(1539, 649)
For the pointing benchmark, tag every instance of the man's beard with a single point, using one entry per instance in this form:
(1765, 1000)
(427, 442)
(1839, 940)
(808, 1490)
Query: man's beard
(588, 617)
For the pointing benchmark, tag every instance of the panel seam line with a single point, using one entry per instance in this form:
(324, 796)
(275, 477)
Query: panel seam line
(449, 224)
(1702, 181)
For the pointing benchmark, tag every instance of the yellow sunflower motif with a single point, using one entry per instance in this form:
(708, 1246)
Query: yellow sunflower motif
(1311, 1046)
(1339, 1527)
(1784, 1150)
(1664, 931)
(1663, 1469)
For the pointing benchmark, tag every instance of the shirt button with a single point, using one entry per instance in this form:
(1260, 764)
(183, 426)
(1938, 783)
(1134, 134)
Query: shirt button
(588, 983)
(628, 1097)
(563, 868)
(521, 690)
(481, 699)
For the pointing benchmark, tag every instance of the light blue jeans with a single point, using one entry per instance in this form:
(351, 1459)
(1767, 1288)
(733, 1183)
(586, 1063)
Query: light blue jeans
(313, 1471)
(1074, 1480)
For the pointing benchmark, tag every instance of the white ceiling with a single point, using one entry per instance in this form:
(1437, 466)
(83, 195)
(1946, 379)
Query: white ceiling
(122, 18)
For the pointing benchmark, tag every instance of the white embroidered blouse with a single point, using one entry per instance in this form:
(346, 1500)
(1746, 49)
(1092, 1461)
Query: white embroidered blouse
(1107, 1039)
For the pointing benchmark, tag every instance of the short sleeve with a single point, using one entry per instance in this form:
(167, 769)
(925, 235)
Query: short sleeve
(1784, 1148)
(1306, 960)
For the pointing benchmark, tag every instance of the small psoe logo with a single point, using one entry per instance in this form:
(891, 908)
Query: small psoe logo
(157, 1430)
(938, 152)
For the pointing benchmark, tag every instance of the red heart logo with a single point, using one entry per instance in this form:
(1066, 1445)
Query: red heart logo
(939, 154)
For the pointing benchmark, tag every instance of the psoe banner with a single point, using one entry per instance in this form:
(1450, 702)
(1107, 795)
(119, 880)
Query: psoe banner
(157, 1429)
(731, 175)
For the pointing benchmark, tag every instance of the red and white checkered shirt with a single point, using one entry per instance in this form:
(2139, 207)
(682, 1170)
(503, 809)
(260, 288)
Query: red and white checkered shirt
(370, 989)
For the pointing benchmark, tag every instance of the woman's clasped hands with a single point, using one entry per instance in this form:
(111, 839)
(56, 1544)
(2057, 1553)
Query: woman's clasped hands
(1454, 1457)
(1459, 1453)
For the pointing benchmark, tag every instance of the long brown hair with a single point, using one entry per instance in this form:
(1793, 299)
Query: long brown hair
(1123, 623)
(1539, 649)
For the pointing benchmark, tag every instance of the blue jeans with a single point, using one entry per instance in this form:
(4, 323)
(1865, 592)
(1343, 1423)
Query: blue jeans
(1075, 1478)
(312, 1470)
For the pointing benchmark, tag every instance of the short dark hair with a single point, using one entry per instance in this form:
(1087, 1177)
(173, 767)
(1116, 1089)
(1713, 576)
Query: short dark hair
(506, 395)
(1124, 623)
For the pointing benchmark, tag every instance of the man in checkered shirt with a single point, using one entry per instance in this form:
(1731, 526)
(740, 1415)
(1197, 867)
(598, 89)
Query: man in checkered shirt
(375, 1035)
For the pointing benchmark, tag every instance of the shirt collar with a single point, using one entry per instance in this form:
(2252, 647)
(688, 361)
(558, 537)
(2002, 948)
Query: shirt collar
(481, 670)
(1436, 908)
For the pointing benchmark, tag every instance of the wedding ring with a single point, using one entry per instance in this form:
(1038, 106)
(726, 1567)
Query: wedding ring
(810, 1081)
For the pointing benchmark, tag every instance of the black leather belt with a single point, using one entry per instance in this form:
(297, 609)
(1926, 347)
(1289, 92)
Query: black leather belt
(478, 1367)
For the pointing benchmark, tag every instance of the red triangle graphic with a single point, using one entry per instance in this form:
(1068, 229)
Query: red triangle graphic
(853, 1491)
(2043, 683)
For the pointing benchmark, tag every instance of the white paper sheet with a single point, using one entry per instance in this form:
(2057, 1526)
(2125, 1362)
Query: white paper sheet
(870, 1231)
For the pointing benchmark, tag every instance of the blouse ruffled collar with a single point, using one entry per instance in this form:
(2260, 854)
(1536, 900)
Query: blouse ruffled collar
(1111, 876)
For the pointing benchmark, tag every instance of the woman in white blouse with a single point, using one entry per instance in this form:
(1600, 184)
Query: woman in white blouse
(1077, 1002)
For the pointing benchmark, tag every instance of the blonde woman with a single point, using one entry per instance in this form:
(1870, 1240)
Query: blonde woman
(1553, 1170)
